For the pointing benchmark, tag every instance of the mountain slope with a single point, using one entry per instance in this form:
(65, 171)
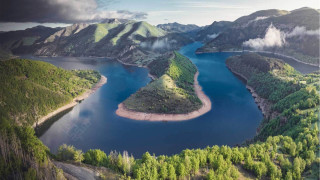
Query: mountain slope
(114, 36)
(23, 40)
(211, 31)
(178, 28)
(128, 41)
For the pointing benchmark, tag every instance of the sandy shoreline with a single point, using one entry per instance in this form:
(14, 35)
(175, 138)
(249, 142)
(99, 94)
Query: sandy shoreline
(206, 107)
(75, 101)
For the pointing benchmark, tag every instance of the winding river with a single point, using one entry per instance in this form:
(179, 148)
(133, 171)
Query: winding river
(93, 123)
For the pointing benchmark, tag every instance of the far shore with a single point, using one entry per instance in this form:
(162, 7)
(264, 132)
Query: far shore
(75, 101)
(267, 52)
(206, 107)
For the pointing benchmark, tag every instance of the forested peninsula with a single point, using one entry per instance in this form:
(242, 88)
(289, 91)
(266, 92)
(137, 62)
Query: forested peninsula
(174, 94)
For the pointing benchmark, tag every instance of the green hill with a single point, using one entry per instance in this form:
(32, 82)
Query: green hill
(31, 89)
(172, 92)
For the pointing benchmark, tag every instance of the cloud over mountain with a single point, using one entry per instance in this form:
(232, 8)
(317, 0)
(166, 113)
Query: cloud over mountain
(60, 11)
(273, 38)
(276, 38)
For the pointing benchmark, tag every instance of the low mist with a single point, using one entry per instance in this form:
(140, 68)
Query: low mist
(276, 38)
(158, 44)
(213, 36)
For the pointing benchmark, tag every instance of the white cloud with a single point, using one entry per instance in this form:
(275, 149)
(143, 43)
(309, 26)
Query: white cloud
(276, 38)
(212, 36)
(273, 38)
(60, 11)
(302, 31)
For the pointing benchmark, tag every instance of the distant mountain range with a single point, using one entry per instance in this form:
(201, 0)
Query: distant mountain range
(292, 33)
(128, 41)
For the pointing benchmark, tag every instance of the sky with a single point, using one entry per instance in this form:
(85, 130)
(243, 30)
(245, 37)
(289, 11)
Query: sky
(22, 14)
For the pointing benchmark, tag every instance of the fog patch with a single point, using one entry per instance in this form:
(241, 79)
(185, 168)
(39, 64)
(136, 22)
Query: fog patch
(260, 18)
(276, 38)
(158, 44)
(213, 36)
(273, 38)
(302, 31)
(257, 19)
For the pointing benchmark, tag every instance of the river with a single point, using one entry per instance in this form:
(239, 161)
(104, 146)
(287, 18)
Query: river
(93, 123)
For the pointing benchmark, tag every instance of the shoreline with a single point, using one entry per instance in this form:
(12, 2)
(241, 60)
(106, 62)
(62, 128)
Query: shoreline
(75, 101)
(267, 52)
(157, 117)
(263, 104)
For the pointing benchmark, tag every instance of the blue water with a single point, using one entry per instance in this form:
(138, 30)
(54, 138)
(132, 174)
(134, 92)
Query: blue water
(93, 123)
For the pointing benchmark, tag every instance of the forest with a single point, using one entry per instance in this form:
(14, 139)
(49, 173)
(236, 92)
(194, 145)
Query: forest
(31, 89)
(173, 90)
(28, 90)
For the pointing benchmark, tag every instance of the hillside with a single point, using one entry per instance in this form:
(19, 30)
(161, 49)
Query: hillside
(285, 147)
(294, 34)
(212, 31)
(28, 90)
(24, 39)
(172, 92)
(31, 89)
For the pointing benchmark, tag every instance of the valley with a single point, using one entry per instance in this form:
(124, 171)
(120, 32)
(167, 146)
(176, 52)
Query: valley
(121, 98)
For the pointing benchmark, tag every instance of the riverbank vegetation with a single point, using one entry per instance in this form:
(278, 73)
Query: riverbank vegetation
(172, 92)
(286, 146)
(28, 90)
(31, 89)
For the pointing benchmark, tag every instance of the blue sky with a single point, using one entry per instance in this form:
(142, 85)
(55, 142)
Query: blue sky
(203, 12)
(200, 12)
